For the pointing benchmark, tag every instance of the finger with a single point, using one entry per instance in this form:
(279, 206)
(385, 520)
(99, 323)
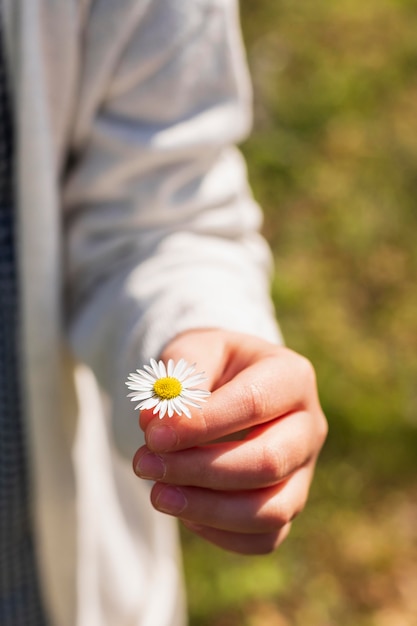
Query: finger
(258, 511)
(241, 543)
(271, 454)
(211, 359)
(263, 391)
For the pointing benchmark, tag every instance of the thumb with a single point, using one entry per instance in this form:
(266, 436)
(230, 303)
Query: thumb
(204, 348)
(200, 347)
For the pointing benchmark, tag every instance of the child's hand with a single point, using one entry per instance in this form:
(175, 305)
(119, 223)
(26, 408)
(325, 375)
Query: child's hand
(241, 494)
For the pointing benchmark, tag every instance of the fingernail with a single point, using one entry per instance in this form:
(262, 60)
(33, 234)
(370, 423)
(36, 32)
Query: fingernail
(150, 466)
(162, 438)
(171, 500)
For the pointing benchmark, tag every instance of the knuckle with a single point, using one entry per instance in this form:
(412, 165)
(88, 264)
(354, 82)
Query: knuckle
(284, 514)
(285, 510)
(299, 509)
(269, 542)
(271, 464)
(275, 516)
(323, 429)
(204, 422)
(307, 371)
(255, 402)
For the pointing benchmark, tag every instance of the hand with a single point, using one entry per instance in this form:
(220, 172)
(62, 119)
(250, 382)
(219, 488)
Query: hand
(239, 471)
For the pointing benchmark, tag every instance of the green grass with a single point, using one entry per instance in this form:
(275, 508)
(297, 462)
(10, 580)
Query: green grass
(333, 162)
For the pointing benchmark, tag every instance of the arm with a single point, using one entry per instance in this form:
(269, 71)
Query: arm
(164, 240)
(162, 231)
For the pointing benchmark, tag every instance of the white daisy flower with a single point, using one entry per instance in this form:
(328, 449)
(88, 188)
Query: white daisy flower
(167, 389)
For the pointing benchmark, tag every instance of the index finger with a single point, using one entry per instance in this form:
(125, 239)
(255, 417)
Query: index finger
(265, 390)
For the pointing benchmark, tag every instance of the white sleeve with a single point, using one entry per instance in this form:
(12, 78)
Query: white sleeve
(162, 232)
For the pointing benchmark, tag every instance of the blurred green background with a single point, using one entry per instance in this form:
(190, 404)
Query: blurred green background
(333, 162)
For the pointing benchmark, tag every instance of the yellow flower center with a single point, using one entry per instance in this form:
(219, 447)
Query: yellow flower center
(167, 388)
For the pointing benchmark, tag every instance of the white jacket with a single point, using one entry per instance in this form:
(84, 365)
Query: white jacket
(134, 211)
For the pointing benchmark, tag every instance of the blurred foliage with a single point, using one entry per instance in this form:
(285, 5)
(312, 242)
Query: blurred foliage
(333, 162)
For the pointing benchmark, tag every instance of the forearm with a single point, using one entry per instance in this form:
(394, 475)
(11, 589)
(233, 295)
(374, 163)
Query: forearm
(162, 233)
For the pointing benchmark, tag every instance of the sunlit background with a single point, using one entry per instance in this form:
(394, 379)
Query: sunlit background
(333, 161)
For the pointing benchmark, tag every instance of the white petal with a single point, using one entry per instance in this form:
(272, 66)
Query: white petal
(194, 380)
(149, 404)
(186, 411)
(141, 388)
(191, 393)
(170, 409)
(170, 367)
(179, 368)
(150, 372)
(136, 384)
(139, 384)
(140, 396)
(163, 408)
(155, 368)
(196, 393)
(191, 403)
(177, 404)
(157, 407)
(135, 378)
(187, 372)
(162, 370)
(143, 376)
